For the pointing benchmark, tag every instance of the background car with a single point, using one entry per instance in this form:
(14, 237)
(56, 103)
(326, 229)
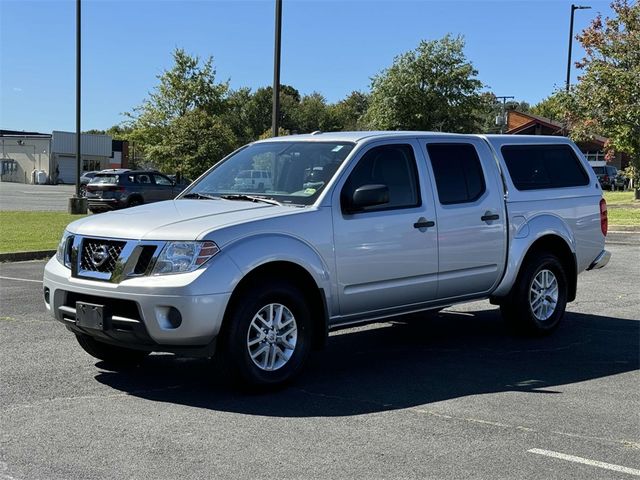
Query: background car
(609, 177)
(85, 178)
(113, 189)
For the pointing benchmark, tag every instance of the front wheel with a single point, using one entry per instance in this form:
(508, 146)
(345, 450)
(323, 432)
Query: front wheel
(267, 336)
(538, 300)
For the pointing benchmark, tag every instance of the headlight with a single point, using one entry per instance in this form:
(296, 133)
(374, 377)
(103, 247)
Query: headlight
(62, 254)
(183, 257)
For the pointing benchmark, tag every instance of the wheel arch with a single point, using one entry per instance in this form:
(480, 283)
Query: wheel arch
(300, 277)
(545, 233)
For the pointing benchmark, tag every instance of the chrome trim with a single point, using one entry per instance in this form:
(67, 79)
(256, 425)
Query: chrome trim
(125, 264)
(601, 260)
(114, 318)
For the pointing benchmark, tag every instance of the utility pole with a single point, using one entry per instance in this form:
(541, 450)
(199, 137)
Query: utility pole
(275, 116)
(573, 10)
(78, 87)
(503, 117)
(78, 204)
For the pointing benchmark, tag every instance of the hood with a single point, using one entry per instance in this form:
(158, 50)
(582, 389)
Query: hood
(174, 219)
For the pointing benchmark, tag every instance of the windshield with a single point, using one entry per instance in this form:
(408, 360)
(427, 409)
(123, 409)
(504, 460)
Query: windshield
(290, 172)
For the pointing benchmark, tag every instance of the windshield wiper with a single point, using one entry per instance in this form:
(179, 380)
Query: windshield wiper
(249, 198)
(200, 196)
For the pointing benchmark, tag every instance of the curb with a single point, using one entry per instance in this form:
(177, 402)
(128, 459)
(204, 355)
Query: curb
(25, 256)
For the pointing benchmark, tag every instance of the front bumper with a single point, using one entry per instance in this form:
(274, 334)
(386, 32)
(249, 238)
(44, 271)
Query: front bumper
(601, 260)
(138, 307)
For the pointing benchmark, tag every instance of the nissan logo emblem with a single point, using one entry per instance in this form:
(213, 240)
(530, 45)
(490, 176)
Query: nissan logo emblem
(99, 256)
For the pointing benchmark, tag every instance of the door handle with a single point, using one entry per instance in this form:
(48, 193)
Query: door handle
(423, 223)
(489, 216)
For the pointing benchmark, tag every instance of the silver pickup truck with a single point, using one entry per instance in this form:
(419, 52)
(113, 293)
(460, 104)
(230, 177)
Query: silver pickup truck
(351, 228)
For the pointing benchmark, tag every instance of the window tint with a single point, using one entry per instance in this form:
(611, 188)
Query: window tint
(457, 171)
(390, 165)
(162, 180)
(535, 167)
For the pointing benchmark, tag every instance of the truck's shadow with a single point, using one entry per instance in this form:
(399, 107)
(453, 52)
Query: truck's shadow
(399, 366)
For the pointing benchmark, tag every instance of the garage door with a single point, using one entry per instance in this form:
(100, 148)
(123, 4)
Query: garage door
(67, 169)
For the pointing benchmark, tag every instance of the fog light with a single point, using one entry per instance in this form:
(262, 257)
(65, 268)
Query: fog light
(46, 295)
(174, 317)
(168, 317)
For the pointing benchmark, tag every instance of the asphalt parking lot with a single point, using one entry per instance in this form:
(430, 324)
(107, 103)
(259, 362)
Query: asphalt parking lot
(25, 197)
(451, 397)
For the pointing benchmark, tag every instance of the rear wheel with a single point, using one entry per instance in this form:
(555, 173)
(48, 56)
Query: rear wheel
(110, 354)
(267, 336)
(538, 300)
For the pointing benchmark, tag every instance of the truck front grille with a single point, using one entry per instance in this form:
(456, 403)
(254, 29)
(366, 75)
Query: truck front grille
(100, 255)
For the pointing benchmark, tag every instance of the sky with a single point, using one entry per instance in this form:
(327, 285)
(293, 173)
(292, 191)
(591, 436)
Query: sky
(519, 48)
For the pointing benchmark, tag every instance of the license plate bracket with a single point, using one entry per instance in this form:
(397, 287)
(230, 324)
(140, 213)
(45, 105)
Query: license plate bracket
(91, 315)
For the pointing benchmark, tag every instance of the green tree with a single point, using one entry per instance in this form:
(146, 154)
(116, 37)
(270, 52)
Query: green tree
(433, 87)
(552, 107)
(348, 114)
(606, 99)
(178, 127)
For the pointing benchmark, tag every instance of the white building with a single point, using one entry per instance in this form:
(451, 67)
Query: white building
(96, 154)
(23, 154)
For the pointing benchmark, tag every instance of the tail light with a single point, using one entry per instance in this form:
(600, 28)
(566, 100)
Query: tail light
(604, 219)
(606, 178)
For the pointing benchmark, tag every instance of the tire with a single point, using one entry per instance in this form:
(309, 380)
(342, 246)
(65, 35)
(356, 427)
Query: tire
(110, 354)
(83, 191)
(134, 202)
(257, 354)
(538, 300)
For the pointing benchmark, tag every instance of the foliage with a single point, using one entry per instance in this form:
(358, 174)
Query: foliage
(607, 98)
(348, 113)
(552, 107)
(433, 87)
(177, 128)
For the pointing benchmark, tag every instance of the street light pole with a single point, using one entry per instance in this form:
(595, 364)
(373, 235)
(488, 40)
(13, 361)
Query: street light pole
(78, 204)
(78, 62)
(275, 116)
(573, 9)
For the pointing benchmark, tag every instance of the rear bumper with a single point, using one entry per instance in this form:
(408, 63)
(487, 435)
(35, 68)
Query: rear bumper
(601, 260)
(103, 203)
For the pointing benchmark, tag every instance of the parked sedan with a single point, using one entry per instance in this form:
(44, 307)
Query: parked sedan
(113, 189)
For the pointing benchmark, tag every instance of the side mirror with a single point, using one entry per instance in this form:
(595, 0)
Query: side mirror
(368, 196)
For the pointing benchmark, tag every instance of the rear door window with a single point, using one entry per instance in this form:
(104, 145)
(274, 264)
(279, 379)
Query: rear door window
(534, 167)
(457, 171)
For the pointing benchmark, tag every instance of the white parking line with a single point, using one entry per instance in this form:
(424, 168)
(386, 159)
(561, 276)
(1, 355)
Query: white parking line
(586, 461)
(20, 279)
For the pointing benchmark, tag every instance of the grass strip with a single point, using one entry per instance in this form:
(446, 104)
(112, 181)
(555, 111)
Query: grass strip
(31, 231)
